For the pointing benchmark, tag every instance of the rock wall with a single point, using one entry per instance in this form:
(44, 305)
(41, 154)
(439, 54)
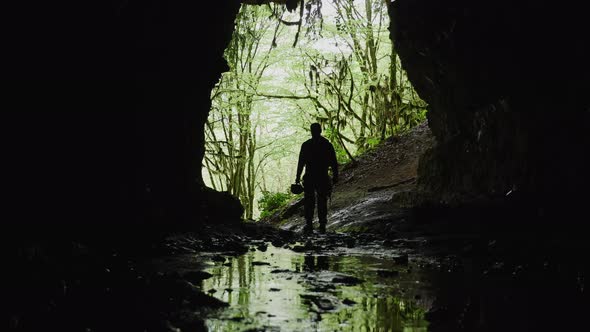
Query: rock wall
(507, 86)
(103, 113)
(103, 105)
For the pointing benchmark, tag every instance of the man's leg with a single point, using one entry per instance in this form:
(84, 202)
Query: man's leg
(323, 208)
(309, 205)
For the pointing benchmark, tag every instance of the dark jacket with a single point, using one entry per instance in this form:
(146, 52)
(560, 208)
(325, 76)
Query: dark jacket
(317, 155)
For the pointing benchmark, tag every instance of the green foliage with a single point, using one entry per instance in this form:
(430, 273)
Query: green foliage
(341, 155)
(355, 229)
(372, 142)
(271, 202)
(232, 157)
(360, 94)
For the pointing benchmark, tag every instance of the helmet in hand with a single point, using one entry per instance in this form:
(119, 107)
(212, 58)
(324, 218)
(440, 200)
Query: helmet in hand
(296, 188)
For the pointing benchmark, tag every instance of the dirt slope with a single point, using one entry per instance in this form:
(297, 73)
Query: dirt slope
(393, 162)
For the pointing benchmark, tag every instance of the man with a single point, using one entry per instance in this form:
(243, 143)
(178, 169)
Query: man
(317, 155)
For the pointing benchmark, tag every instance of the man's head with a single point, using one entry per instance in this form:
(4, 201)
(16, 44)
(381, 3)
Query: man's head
(316, 129)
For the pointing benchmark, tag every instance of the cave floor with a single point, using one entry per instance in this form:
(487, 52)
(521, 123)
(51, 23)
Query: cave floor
(343, 282)
(259, 278)
(324, 288)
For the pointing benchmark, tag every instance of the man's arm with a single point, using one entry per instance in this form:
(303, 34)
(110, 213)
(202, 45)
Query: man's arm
(300, 164)
(333, 164)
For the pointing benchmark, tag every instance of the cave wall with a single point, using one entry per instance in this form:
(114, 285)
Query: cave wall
(507, 86)
(104, 105)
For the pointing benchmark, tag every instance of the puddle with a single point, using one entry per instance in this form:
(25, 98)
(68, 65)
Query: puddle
(341, 290)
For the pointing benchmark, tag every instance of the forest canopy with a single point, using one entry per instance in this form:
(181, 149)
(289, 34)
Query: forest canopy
(329, 61)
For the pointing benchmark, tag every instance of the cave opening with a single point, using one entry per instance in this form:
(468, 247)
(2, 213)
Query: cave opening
(107, 226)
(331, 62)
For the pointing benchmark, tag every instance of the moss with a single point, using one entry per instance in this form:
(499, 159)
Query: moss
(354, 229)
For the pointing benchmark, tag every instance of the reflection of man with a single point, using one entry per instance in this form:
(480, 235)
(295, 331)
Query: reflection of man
(316, 263)
(317, 155)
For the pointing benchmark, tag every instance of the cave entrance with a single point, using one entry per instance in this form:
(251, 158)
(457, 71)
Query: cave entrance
(329, 61)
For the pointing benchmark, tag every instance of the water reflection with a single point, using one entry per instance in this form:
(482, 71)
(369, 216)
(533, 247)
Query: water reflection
(287, 291)
(315, 263)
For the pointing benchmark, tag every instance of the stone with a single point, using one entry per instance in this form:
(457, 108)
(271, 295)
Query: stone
(322, 303)
(402, 259)
(218, 258)
(347, 280)
(387, 273)
(348, 302)
(195, 276)
(258, 263)
(280, 271)
(262, 247)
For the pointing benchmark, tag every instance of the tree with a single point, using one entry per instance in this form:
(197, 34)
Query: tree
(362, 88)
(231, 139)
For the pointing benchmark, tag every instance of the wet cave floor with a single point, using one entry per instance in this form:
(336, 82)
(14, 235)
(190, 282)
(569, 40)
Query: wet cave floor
(252, 277)
(343, 282)
(340, 289)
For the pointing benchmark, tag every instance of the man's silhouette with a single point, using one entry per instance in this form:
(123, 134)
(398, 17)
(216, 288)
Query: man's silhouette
(317, 155)
(313, 263)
